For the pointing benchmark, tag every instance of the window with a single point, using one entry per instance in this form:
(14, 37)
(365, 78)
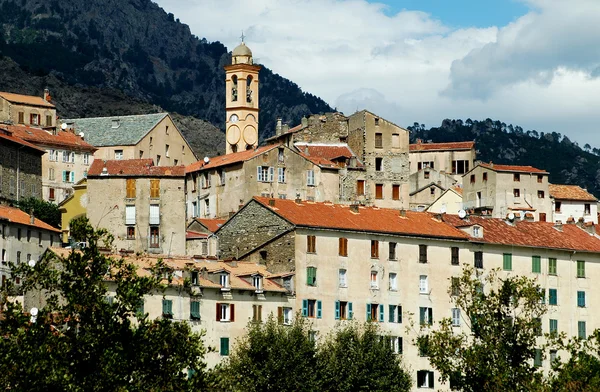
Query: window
(395, 192)
(581, 299)
(478, 259)
(552, 266)
(536, 264)
(374, 249)
(68, 176)
(540, 194)
(557, 206)
(176, 162)
(516, 192)
(311, 276)
(257, 313)
(21, 118)
(460, 167)
(167, 308)
(552, 297)
(18, 257)
(225, 312)
(454, 255)
(454, 286)
(374, 280)
(426, 174)
(393, 281)
(540, 178)
(360, 187)
(167, 150)
(34, 119)
(28, 235)
(154, 214)
(395, 314)
(224, 280)
(86, 158)
(154, 237)
(537, 360)
(375, 312)
(378, 140)
(157, 160)
(425, 379)
(51, 194)
(378, 164)
(343, 310)
(425, 316)
(130, 188)
(194, 310)
(311, 244)
(396, 344)
(154, 189)
(432, 191)
(472, 178)
(581, 332)
(392, 251)
(485, 176)
(257, 282)
(311, 308)
(310, 177)
(553, 326)
(516, 177)
(423, 284)
(118, 154)
(284, 315)
(587, 209)
(224, 351)
(581, 268)
(395, 140)
(542, 217)
(205, 248)
(507, 262)
(281, 175)
(343, 247)
(422, 253)
(206, 177)
(342, 278)
(378, 191)
(455, 317)
(72, 157)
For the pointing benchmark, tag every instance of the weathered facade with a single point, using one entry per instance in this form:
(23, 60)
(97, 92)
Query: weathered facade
(426, 186)
(27, 110)
(200, 239)
(454, 158)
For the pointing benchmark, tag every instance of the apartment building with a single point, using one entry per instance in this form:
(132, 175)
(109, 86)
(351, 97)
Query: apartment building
(146, 136)
(393, 267)
(67, 160)
(142, 205)
(27, 110)
(499, 190)
(454, 158)
(23, 238)
(427, 185)
(217, 187)
(571, 202)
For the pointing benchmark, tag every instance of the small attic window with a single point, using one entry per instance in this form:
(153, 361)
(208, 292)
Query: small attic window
(257, 282)
(224, 281)
(115, 123)
(477, 231)
(376, 122)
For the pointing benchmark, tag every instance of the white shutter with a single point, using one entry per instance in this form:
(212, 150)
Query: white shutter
(259, 174)
(130, 215)
(271, 172)
(154, 214)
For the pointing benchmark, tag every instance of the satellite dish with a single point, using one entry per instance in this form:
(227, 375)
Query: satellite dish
(511, 216)
(443, 209)
(33, 311)
(63, 126)
(81, 134)
(206, 160)
(462, 214)
(31, 263)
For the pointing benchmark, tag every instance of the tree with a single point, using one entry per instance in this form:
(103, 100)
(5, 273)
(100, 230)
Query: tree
(43, 210)
(495, 349)
(581, 372)
(357, 358)
(79, 341)
(272, 357)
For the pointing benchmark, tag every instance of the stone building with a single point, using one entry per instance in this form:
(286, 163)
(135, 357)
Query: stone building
(146, 136)
(503, 189)
(142, 205)
(20, 168)
(67, 160)
(24, 238)
(218, 187)
(396, 267)
(199, 237)
(427, 185)
(454, 158)
(27, 110)
(571, 202)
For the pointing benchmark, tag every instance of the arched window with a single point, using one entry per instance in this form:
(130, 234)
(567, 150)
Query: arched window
(234, 88)
(249, 89)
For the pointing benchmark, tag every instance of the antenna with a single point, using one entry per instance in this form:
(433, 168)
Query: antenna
(462, 214)
(243, 36)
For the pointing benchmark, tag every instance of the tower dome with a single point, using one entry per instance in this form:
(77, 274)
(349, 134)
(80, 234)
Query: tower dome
(241, 54)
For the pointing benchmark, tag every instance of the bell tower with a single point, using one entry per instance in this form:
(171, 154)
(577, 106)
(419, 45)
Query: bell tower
(241, 100)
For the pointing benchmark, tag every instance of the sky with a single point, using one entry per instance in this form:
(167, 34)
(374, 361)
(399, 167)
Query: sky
(533, 63)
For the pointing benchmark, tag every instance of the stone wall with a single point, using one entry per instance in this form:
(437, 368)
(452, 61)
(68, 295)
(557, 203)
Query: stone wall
(20, 172)
(328, 127)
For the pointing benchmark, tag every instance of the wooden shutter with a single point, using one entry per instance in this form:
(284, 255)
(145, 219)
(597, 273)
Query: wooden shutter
(232, 312)
(155, 188)
(360, 187)
(271, 172)
(154, 214)
(130, 188)
(218, 318)
(337, 310)
(304, 308)
(280, 314)
(130, 215)
(350, 313)
(396, 192)
(379, 191)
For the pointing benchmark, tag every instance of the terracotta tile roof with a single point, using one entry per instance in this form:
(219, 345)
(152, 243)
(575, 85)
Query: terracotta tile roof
(327, 151)
(193, 235)
(7, 136)
(63, 139)
(15, 215)
(512, 168)
(228, 159)
(570, 192)
(530, 234)
(26, 99)
(457, 189)
(134, 168)
(319, 161)
(370, 219)
(211, 224)
(441, 146)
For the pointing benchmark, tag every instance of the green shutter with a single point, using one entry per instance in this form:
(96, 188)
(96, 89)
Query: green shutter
(224, 346)
(167, 307)
(64, 176)
(391, 313)
(507, 262)
(399, 310)
(368, 312)
(337, 310)
(581, 268)
(381, 316)
(195, 310)
(581, 332)
(304, 308)
(552, 266)
(319, 310)
(311, 276)
(553, 326)
(552, 297)
(536, 264)
(350, 313)
(537, 362)
(422, 312)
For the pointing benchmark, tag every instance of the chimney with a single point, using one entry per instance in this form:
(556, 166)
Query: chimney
(285, 128)
(558, 225)
(403, 212)
(298, 200)
(570, 220)
(440, 216)
(278, 127)
(47, 96)
(529, 217)
(306, 150)
(589, 227)
(31, 217)
(304, 122)
(354, 208)
(419, 141)
(272, 202)
(352, 162)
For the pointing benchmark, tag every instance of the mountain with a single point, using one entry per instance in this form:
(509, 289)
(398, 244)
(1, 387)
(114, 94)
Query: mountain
(109, 57)
(498, 142)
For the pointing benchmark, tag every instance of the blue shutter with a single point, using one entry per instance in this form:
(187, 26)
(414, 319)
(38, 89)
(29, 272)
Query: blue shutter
(381, 318)
(304, 308)
(368, 312)
(72, 176)
(391, 313)
(350, 313)
(64, 176)
(319, 310)
(337, 310)
(399, 310)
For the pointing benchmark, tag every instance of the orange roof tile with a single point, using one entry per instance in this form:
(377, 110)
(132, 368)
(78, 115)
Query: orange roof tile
(63, 139)
(326, 151)
(211, 224)
(16, 215)
(457, 189)
(193, 235)
(371, 219)
(228, 159)
(441, 146)
(530, 234)
(26, 99)
(512, 168)
(134, 168)
(9, 137)
(570, 192)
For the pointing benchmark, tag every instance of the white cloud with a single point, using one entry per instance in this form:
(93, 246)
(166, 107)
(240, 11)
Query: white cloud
(539, 72)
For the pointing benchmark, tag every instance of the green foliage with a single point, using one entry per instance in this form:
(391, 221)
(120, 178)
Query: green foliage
(502, 317)
(581, 372)
(79, 341)
(80, 228)
(43, 210)
(357, 357)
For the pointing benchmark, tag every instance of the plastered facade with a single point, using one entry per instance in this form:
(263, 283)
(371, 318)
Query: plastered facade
(10, 113)
(442, 160)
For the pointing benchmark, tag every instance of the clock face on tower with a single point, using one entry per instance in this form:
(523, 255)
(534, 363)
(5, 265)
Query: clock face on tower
(234, 118)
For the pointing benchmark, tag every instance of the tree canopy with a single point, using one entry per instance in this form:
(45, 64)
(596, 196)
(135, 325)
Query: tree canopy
(43, 210)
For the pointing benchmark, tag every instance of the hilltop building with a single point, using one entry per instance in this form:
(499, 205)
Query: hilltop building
(571, 202)
(454, 158)
(18, 109)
